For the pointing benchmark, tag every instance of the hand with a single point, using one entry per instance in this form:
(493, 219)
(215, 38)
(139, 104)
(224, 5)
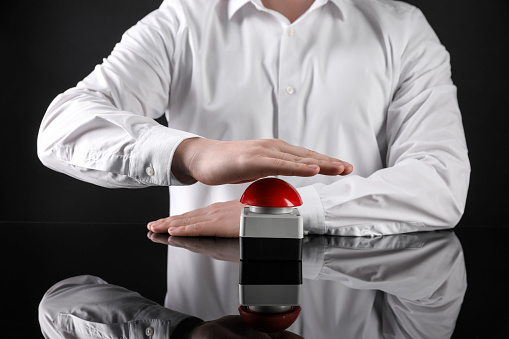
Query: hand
(225, 249)
(214, 162)
(217, 220)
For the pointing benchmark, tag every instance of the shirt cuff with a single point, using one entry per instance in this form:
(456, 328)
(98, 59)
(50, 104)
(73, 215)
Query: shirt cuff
(311, 210)
(152, 155)
(163, 322)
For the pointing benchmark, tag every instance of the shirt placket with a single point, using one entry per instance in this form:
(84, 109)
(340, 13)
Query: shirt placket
(289, 118)
(289, 86)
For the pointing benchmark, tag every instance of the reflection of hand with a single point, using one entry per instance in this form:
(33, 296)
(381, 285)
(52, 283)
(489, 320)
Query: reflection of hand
(225, 249)
(214, 162)
(217, 220)
(233, 327)
(158, 238)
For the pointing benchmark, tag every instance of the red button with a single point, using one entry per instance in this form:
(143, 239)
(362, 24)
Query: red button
(271, 192)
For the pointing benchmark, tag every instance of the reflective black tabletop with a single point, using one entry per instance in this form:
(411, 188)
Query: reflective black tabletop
(420, 285)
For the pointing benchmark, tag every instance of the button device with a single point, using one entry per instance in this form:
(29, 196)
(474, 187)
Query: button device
(271, 234)
(271, 228)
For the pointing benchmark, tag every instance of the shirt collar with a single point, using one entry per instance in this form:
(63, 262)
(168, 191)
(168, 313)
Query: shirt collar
(342, 7)
(235, 5)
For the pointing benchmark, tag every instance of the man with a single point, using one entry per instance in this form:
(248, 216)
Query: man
(367, 81)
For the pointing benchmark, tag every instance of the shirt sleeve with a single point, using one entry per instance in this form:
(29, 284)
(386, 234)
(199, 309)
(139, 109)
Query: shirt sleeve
(103, 130)
(87, 306)
(424, 183)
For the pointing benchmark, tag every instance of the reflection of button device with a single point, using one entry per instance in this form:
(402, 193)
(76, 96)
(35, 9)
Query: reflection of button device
(270, 283)
(271, 227)
(269, 322)
(270, 293)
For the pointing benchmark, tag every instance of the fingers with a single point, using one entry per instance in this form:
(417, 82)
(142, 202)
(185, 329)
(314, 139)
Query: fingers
(189, 218)
(325, 167)
(158, 226)
(193, 230)
(328, 165)
(180, 226)
(280, 166)
(304, 167)
(205, 229)
(303, 152)
(217, 220)
(348, 168)
(170, 223)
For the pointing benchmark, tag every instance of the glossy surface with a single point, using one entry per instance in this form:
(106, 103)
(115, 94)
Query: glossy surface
(271, 192)
(406, 286)
(359, 286)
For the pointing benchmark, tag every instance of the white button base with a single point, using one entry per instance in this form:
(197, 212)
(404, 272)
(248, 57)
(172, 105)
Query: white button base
(259, 225)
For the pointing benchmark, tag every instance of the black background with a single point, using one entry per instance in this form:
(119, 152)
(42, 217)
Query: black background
(48, 46)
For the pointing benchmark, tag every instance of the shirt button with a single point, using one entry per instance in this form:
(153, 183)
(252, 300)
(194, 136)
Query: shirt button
(149, 331)
(150, 171)
(290, 31)
(290, 90)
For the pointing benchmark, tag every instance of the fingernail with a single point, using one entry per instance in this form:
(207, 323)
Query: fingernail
(171, 229)
(346, 164)
(313, 166)
(337, 163)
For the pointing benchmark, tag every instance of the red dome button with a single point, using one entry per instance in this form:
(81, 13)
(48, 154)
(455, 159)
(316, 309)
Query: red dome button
(271, 192)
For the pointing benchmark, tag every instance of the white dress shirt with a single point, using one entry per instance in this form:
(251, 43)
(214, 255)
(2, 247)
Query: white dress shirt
(366, 81)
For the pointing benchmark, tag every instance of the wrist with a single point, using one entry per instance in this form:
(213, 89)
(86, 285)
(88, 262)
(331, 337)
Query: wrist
(182, 158)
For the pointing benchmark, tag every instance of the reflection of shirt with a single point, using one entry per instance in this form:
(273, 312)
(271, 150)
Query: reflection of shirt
(87, 307)
(365, 81)
(400, 286)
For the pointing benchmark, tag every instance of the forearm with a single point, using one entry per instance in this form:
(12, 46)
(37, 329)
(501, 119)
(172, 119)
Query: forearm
(409, 197)
(85, 136)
